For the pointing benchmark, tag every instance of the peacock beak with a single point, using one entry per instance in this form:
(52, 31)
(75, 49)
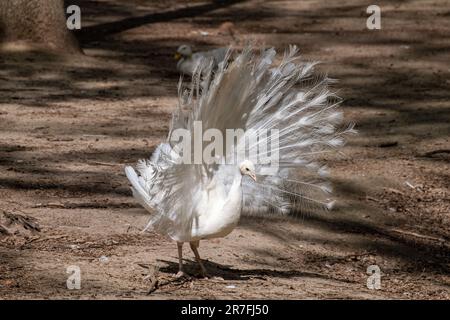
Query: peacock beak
(177, 56)
(253, 176)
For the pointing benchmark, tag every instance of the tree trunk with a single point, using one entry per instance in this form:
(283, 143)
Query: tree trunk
(38, 22)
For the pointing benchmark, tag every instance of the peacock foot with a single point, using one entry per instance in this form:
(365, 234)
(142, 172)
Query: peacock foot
(181, 274)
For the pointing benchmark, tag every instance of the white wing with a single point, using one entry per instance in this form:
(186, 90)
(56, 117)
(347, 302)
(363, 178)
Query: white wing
(218, 55)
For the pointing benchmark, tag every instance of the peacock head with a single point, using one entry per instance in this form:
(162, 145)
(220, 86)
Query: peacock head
(183, 51)
(247, 168)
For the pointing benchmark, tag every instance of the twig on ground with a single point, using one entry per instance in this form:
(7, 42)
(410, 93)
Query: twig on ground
(3, 230)
(104, 163)
(49, 205)
(26, 221)
(417, 235)
(154, 285)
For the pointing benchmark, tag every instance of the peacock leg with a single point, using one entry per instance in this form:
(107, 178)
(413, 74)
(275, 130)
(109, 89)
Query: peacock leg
(194, 247)
(180, 273)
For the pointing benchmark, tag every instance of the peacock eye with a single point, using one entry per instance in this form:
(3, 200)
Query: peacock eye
(247, 169)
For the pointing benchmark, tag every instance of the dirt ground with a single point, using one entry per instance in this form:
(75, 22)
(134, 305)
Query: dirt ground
(70, 124)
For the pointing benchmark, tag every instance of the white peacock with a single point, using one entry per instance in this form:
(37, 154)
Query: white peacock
(191, 202)
(188, 61)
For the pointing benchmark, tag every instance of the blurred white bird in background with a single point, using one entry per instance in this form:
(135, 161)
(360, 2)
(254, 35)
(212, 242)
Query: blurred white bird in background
(189, 61)
(193, 202)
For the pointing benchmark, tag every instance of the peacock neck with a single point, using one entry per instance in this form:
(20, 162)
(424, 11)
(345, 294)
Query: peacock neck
(236, 186)
(219, 223)
(234, 198)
